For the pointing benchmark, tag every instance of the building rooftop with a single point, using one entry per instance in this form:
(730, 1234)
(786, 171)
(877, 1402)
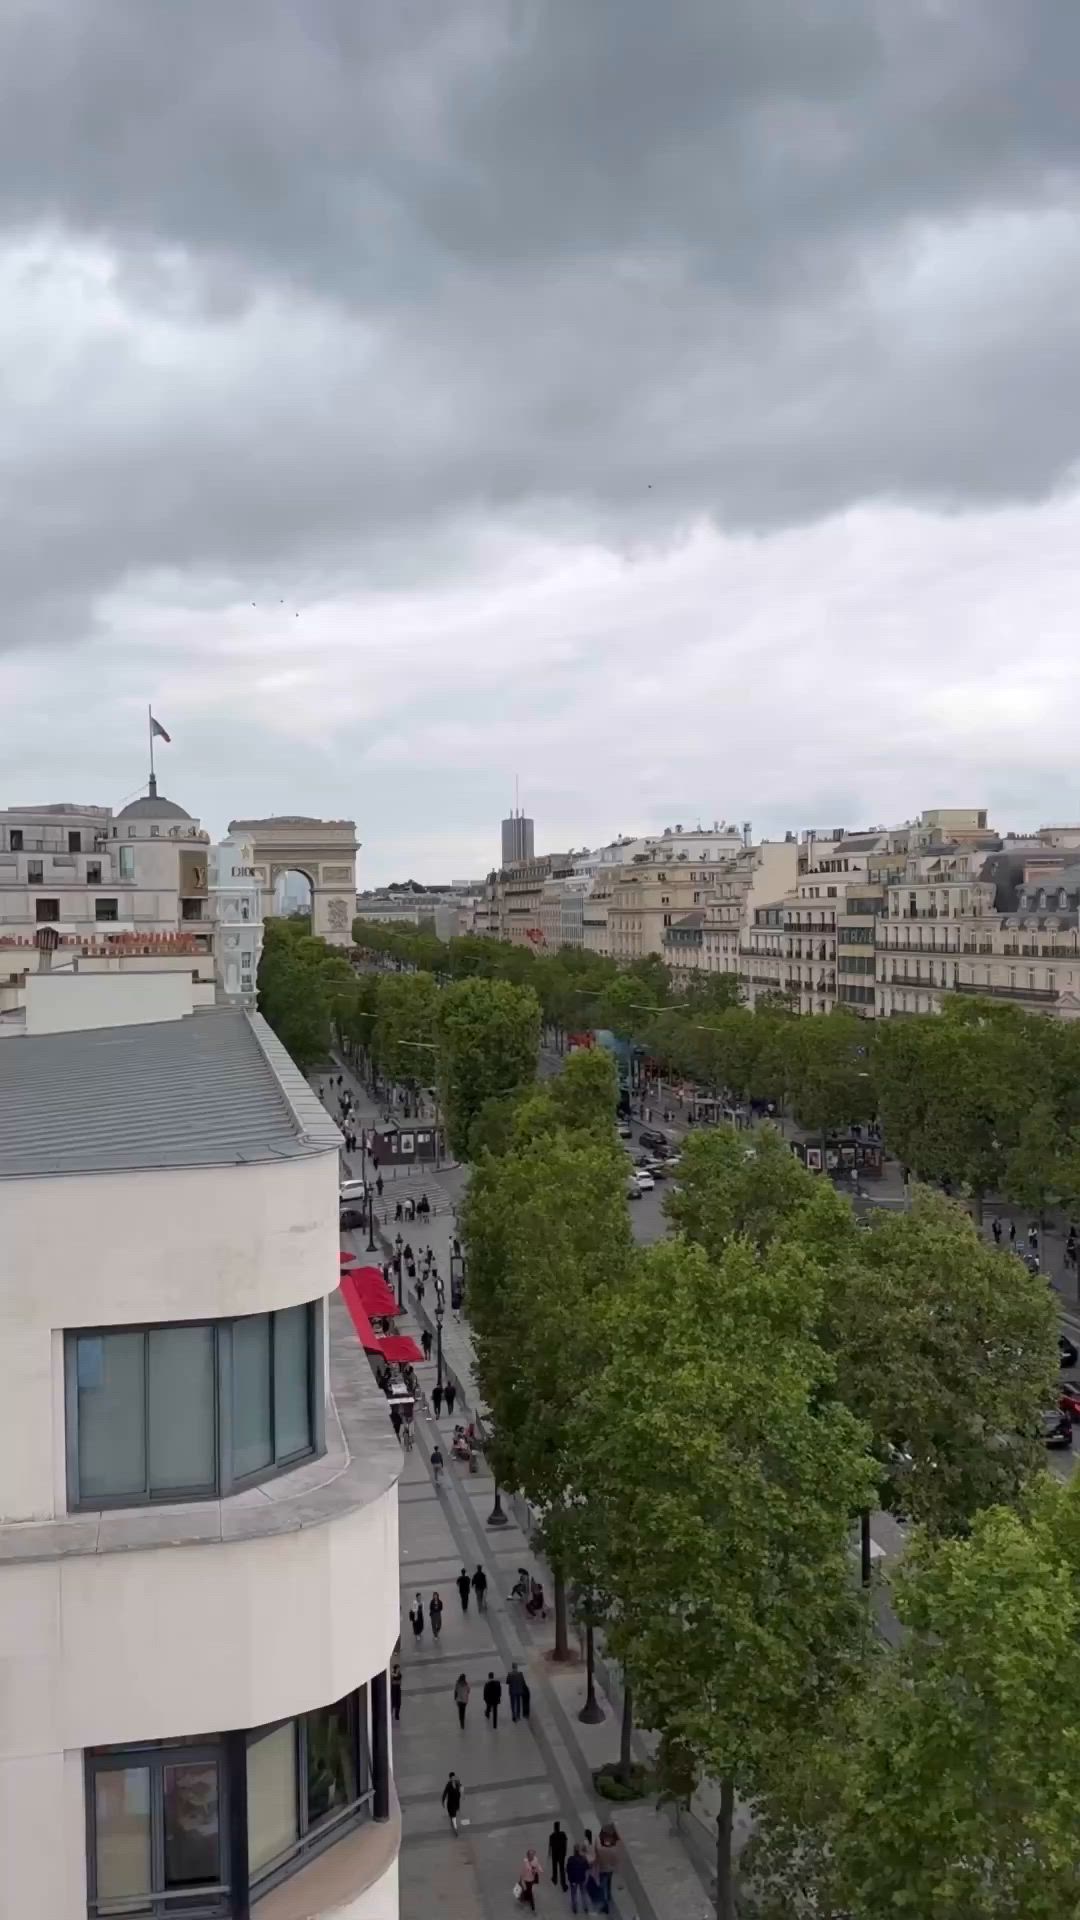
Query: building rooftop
(213, 1089)
(153, 806)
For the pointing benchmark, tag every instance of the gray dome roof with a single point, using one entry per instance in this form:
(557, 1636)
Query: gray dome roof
(153, 806)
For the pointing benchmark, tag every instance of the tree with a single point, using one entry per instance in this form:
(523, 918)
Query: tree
(953, 1789)
(548, 1237)
(488, 1036)
(404, 1039)
(723, 1487)
(948, 1351)
(1038, 1169)
(832, 1081)
(293, 994)
(585, 1092)
(750, 1184)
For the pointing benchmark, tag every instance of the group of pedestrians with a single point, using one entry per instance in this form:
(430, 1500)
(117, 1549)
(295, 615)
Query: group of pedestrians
(585, 1871)
(444, 1395)
(411, 1209)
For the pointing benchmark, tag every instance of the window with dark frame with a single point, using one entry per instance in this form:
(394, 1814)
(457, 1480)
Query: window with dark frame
(35, 873)
(46, 910)
(159, 1815)
(16, 840)
(106, 909)
(192, 1411)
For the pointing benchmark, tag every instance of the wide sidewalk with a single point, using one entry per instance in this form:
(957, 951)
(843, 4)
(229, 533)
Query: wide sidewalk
(519, 1778)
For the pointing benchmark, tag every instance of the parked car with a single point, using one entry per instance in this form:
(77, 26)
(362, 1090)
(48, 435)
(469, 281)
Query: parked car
(649, 1137)
(350, 1220)
(644, 1181)
(1069, 1355)
(633, 1191)
(1057, 1429)
(626, 1131)
(1069, 1399)
(352, 1191)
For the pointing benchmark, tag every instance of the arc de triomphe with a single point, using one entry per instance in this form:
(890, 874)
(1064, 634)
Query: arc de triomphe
(323, 850)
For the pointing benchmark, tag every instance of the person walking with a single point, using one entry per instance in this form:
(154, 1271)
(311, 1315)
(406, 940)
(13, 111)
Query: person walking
(395, 1421)
(437, 1399)
(529, 1876)
(451, 1798)
(479, 1586)
(425, 1342)
(379, 1185)
(461, 1698)
(1033, 1237)
(492, 1699)
(515, 1686)
(557, 1855)
(996, 1231)
(450, 1395)
(592, 1883)
(416, 1620)
(1012, 1233)
(577, 1869)
(607, 1859)
(435, 1610)
(420, 1298)
(395, 1690)
(463, 1584)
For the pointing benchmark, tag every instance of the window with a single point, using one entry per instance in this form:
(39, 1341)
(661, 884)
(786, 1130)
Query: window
(190, 1412)
(131, 833)
(93, 873)
(16, 840)
(155, 832)
(46, 910)
(74, 842)
(127, 863)
(35, 873)
(159, 1815)
(105, 910)
(191, 910)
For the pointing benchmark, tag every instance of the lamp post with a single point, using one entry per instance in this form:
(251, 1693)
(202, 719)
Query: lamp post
(497, 1518)
(439, 1311)
(592, 1712)
(397, 1266)
(371, 1219)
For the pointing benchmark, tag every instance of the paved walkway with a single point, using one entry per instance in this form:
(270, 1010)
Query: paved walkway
(518, 1778)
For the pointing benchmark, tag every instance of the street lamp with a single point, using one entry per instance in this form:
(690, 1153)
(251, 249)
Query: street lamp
(439, 1311)
(497, 1518)
(592, 1712)
(397, 1267)
(371, 1219)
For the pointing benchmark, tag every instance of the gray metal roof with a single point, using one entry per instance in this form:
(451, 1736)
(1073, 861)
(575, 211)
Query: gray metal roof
(213, 1089)
(153, 806)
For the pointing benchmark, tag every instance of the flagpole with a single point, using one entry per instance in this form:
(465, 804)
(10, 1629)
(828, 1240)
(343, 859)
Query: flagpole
(150, 724)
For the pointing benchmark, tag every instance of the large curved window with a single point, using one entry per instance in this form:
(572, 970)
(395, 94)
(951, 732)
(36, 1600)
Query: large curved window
(164, 1819)
(190, 1412)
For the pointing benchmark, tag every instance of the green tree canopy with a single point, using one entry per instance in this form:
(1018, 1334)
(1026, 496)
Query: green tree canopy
(488, 1036)
(723, 1487)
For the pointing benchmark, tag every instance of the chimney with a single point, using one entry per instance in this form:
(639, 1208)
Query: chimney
(46, 941)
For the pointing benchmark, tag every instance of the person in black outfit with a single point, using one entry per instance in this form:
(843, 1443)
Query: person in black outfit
(425, 1342)
(437, 1399)
(449, 1395)
(395, 1691)
(492, 1699)
(557, 1856)
(479, 1582)
(463, 1583)
(451, 1799)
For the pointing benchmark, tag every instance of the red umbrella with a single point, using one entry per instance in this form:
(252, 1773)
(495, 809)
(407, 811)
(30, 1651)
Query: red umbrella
(348, 1259)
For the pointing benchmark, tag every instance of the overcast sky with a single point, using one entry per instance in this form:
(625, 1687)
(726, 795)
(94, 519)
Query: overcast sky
(677, 407)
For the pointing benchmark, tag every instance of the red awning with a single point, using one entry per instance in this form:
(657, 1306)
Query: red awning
(348, 1259)
(400, 1347)
(366, 1334)
(376, 1296)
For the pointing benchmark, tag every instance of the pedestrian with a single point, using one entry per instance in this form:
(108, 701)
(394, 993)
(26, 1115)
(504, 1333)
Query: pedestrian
(1012, 1233)
(436, 1398)
(395, 1690)
(529, 1876)
(557, 1856)
(492, 1699)
(425, 1342)
(450, 1395)
(379, 1185)
(607, 1859)
(577, 1868)
(395, 1421)
(416, 1620)
(479, 1583)
(514, 1684)
(1033, 1237)
(451, 1798)
(1070, 1248)
(461, 1698)
(397, 1211)
(420, 1288)
(592, 1883)
(435, 1610)
(463, 1583)
(996, 1231)
(526, 1698)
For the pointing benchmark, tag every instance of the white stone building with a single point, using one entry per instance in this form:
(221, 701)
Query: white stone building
(236, 910)
(198, 1490)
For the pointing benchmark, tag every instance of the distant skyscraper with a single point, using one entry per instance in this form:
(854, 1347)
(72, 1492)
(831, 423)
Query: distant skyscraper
(517, 838)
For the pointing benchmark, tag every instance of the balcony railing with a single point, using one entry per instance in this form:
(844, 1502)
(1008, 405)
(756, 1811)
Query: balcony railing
(1043, 994)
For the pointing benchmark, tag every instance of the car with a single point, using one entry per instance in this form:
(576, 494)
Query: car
(644, 1181)
(659, 1169)
(1069, 1399)
(633, 1191)
(1069, 1355)
(1057, 1429)
(350, 1221)
(648, 1137)
(626, 1131)
(352, 1192)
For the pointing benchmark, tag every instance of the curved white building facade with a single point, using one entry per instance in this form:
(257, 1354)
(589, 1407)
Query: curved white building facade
(198, 1498)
